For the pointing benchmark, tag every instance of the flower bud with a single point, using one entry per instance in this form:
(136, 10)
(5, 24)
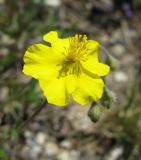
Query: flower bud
(94, 112)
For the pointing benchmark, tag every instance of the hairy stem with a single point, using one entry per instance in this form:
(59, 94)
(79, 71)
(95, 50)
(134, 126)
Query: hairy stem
(37, 111)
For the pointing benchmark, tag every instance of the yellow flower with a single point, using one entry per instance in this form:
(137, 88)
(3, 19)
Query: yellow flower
(66, 68)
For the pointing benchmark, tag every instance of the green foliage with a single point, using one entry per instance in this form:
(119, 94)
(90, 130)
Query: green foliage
(14, 134)
(123, 124)
(4, 135)
(4, 155)
(7, 62)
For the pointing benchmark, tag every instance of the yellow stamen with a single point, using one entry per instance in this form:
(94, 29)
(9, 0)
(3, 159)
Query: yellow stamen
(75, 54)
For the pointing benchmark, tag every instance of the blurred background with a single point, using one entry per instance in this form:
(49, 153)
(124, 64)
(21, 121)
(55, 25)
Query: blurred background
(67, 133)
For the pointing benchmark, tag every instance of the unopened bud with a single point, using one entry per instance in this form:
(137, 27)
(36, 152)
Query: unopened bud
(94, 112)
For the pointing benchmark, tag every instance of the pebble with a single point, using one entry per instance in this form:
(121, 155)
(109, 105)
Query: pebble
(66, 144)
(116, 37)
(115, 154)
(108, 5)
(80, 121)
(51, 148)
(30, 139)
(41, 138)
(35, 151)
(104, 38)
(64, 155)
(52, 3)
(75, 154)
(25, 152)
(118, 50)
(120, 76)
(28, 134)
(35, 148)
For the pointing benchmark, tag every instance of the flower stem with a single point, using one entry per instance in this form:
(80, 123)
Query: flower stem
(37, 111)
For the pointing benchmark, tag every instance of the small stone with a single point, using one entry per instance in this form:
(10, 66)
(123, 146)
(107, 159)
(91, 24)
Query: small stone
(41, 138)
(118, 50)
(108, 5)
(75, 154)
(116, 36)
(104, 38)
(35, 148)
(35, 151)
(64, 155)
(66, 144)
(52, 3)
(80, 121)
(30, 139)
(120, 76)
(25, 152)
(51, 149)
(115, 153)
(28, 134)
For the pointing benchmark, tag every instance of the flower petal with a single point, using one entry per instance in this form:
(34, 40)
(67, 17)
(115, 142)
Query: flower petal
(51, 37)
(92, 64)
(93, 45)
(89, 89)
(99, 69)
(58, 90)
(61, 44)
(41, 61)
(92, 52)
(55, 91)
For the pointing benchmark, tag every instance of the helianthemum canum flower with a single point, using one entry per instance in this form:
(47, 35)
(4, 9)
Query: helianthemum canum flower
(66, 68)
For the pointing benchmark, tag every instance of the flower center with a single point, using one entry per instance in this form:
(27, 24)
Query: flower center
(77, 49)
(74, 55)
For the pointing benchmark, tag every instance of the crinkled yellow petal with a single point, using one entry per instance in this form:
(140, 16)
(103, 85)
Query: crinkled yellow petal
(60, 44)
(58, 90)
(92, 48)
(99, 69)
(41, 61)
(93, 45)
(51, 37)
(92, 63)
(88, 89)
(55, 91)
